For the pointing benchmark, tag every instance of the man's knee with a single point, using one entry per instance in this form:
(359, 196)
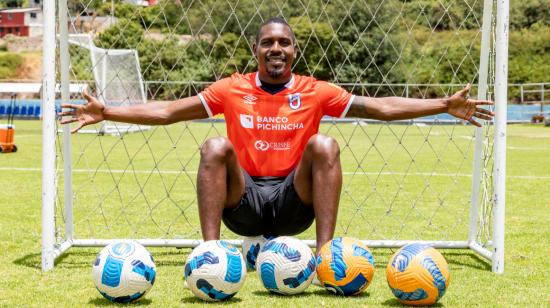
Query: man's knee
(323, 147)
(216, 149)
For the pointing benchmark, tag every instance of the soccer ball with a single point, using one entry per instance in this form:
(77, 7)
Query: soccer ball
(345, 266)
(251, 247)
(286, 265)
(215, 271)
(124, 271)
(418, 275)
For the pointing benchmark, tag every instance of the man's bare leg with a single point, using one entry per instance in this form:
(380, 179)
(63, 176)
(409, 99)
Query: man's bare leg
(318, 181)
(220, 184)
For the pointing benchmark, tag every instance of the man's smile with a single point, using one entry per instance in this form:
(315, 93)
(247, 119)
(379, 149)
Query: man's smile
(275, 60)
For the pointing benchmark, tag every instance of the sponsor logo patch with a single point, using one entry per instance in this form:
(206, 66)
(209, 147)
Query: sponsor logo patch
(277, 123)
(247, 121)
(261, 145)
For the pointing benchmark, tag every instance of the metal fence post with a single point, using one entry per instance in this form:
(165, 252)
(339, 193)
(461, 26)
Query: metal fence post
(542, 98)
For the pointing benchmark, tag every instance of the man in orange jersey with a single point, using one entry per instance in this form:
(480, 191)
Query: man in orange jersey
(274, 173)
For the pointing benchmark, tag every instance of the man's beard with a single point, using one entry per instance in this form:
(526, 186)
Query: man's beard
(275, 73)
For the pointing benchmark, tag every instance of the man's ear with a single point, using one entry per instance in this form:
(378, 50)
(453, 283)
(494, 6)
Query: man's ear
(254, 50)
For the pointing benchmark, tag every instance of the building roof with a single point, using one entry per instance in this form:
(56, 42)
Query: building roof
(21, 10)
(12, 87)
(89, 18)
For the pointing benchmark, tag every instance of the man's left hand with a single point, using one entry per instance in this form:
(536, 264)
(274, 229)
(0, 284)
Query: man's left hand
(462, 107)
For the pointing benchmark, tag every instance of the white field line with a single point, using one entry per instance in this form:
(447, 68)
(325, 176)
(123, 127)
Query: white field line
(527, 177)
(527, 149)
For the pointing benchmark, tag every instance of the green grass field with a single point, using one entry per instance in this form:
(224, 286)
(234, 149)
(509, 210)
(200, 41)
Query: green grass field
(364, 212)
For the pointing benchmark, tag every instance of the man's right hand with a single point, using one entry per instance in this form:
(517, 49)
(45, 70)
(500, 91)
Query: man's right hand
(89, 113)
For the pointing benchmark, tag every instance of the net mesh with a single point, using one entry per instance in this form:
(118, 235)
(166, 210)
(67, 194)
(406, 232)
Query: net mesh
(409, 180)
(120, 77)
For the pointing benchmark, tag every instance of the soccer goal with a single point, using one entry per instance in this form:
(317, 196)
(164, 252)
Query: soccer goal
(434, 180)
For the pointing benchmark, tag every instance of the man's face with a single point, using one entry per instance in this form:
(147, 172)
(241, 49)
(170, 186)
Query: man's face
(275, 53)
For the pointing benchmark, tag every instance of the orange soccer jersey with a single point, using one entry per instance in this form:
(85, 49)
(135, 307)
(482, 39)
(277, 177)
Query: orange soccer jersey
(270, 131)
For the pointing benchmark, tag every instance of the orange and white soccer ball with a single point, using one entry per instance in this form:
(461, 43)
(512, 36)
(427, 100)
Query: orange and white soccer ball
(418, 275)
(345, 266)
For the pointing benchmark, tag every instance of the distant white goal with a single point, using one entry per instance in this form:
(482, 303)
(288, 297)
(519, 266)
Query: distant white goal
(436, 180)
(117, 76)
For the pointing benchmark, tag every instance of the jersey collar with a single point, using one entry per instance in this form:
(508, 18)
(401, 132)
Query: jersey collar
(288, 85)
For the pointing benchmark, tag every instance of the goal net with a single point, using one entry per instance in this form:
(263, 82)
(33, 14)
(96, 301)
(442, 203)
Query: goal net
(435, 179)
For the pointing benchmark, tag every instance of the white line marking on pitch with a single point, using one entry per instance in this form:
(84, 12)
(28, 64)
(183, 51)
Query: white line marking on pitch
(528, 177)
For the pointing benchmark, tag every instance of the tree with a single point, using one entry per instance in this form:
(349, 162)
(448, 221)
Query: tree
(525, 13)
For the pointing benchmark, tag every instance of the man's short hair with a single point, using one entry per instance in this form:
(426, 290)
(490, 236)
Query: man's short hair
(276, 20)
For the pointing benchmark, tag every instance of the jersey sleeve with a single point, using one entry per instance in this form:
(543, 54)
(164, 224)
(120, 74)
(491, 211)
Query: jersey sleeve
(213, 97)
(334, 100)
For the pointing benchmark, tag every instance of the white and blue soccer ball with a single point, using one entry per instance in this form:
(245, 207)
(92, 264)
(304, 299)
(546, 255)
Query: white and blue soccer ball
(215, 271)
(286, 265)
(124, 271)
(251, 248)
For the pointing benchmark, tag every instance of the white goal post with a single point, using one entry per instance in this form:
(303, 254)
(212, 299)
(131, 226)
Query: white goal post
(442, 183)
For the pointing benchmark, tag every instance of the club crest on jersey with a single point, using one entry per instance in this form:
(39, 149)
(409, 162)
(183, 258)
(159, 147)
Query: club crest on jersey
(294, 101)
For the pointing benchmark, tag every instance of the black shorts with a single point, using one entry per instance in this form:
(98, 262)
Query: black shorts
(269, 206)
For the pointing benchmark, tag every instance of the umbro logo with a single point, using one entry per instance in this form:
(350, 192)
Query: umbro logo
(250, 99)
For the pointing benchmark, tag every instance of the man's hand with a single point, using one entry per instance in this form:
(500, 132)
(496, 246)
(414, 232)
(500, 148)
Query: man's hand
(462, 107)
(89, 113)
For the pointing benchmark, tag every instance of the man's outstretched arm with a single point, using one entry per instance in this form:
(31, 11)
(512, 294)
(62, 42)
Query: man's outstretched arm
(400, 108)
(153, 113)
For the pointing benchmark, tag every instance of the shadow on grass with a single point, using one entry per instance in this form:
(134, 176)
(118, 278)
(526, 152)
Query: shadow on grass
(196, 300)
(102, 301)
(325, 293)
(33, 260)
(82, 258)
(79, 259)
(171, 258)
(266, 293)
(475, 261)
(395, 303)
(455, 258)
